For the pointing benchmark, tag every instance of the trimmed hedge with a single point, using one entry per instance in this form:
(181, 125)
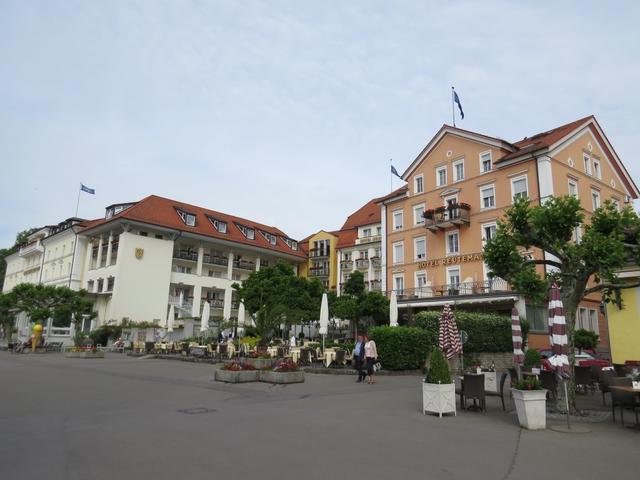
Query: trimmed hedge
(401, 348)
(488, 332)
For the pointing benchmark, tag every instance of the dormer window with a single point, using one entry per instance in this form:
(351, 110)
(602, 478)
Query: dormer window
(292, 244)
(188, 218)
(248, 232)
(269, 237)
(219, 225)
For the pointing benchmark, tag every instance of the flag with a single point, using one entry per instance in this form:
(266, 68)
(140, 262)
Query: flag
(395, 172)
(92, 191)
(457, 100)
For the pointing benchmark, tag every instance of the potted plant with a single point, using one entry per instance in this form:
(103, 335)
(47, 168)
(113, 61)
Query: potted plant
(237, 372)
(438, 391)
(285, 371)
(531, 403)
(532, 359)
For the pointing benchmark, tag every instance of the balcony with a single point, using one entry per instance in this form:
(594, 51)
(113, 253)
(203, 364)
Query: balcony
(375, 284)
(369, 239)
(485, 287)
(187, 302)
(215, 260)
(376, 261)
(31, 248)
(447, 216)
(318, 272)
(362, 263)
(346, 265)
(244, 265)
(186, 255)
(213, 303)
(318, 253)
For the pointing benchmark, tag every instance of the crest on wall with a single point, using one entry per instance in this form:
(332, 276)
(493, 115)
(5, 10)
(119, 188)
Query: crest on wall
(139, 253)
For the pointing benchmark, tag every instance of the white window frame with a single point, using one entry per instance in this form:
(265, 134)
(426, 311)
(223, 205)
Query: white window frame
(393, 216)
(483, 232)
(418, 219)
(576, 236)
(572, 183)
(455, 170)
(451, 269)
(438, 170)
(415, 248)
(595, 199)
(482, 189)
(480, 155)
(449, 234)
(513, 181)
(366, 232)
(398, 289)
(395, 258)
(586, 160)
(616, 203)
(593, 322)
(597, 170)
(416, 190)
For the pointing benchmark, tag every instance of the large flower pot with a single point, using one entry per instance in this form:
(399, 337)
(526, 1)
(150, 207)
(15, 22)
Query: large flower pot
(260, 363)
(236, 376)
(438, 398)
(269, 376)
(85, 354)
(531, 406)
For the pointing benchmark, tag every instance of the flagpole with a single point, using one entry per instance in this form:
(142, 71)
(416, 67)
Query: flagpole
(390, 175)
(453, 107)
(78, 202)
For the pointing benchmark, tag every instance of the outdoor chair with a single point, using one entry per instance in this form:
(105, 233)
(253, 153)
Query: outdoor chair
(222, 350)
(500, 392)
(305, 357)
(280, 352)
(582, 377)
(620, 369)
(340, 358)
(513, 376)
(473, 387)
(549, 380)
(605, 377)
(622, 399)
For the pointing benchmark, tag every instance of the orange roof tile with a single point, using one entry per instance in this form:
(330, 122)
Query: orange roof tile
(393, 194)
(365, 215)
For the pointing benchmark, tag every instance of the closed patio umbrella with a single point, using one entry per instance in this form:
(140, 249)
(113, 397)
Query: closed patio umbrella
(204, 320)
(516, 337)
(241, 315)
(449, 337)
(558, 340)
(170, 319)
(393, 309)
(324, 317)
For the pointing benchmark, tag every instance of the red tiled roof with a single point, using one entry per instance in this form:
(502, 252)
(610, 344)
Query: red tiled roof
(365, 215)
(393, 194)
(347, 238)
(160, 211)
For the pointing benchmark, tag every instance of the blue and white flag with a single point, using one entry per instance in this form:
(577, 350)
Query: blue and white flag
(457, 100)
(83, 188)
(395, 172)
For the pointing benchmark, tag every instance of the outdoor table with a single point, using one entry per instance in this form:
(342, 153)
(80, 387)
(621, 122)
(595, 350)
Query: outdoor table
(295, 354)
(636, 426)
(272, 351)
(329, 356)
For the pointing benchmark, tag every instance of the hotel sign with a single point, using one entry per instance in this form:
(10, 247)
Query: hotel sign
(452, 260)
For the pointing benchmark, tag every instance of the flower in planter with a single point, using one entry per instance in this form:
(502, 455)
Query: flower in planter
(528, 383)
(286, 365)
(236, 366)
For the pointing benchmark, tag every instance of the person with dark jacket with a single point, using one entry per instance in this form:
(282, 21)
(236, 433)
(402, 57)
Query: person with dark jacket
(358, 356)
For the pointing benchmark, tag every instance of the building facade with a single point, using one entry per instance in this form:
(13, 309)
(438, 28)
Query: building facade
(460, 185)
(322, 262)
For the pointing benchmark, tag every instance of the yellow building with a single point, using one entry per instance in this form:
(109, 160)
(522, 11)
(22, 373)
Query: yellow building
(624, 324)
(323, 260)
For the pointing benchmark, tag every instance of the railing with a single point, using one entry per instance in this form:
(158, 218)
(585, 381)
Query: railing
(369, 239)
(213, 302)
(486, 287)
(444, 217)
(30, 248)
(215, 260)
(319, 272)
(362, 263)
(187, 302)
(318, 253)
(244, 264)
(377, 261)
(186, 255)
(346, 264)
(375, 284)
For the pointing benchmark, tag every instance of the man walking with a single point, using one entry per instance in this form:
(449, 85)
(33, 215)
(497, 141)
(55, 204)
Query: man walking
(358, 355)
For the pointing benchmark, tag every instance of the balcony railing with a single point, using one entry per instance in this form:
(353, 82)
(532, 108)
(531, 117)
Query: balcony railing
(377, 261)
(186, 255)
(215, 260)
(445, 217)
(318, 253)
(213, 303)
(244, 264)
(346, 264)
(31, 248)
(187, 302)
(486, 287)
(375, 284)
(362, 263)
(319, 272)
(369, 239)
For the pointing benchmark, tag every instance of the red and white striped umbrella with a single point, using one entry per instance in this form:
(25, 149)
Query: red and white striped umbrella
(449, 337)
(558, 332)
(516, 337)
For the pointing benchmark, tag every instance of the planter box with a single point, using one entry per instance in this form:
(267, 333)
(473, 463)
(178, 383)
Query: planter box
(438, 398)
(260, 363)
(96, 354)
(531, 406)
(281, 377)
(240, 376)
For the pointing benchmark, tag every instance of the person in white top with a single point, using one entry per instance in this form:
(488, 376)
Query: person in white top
(370, 355)
(292, 341)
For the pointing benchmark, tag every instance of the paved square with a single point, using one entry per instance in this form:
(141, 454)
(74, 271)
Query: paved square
(122, 417)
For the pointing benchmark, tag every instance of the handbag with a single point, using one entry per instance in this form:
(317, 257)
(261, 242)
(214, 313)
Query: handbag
(377, 366)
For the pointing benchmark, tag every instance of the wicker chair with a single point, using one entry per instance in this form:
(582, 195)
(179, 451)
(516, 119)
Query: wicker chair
(622, 399)
(500, 392)
(549, 380)
(340, 358)
(583, 379)
(605, 377)
(473, 387)
(305, 356)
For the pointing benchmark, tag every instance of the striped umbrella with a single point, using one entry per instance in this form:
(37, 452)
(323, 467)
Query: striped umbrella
(449, 338)
(516, 337)
(557, 332)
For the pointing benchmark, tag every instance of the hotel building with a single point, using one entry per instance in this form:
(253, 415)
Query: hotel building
(460, 185)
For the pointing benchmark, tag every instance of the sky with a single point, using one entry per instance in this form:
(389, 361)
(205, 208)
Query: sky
(286, 112)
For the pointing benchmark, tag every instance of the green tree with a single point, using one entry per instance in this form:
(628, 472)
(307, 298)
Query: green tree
(610, 241)
(7, 314)
(40, 302)
(363, 308)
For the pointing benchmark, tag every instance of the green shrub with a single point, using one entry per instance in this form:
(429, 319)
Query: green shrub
(101, 335)
(528, 383)
(438, 368)
(401, 348)
(488, 332)
(532, 358)
(585, 339)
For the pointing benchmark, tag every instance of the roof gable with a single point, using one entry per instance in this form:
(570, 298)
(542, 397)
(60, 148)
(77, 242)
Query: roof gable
(366, 215)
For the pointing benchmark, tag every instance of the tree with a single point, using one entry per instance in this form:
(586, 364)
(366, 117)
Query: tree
(589, 266)
(7, 314)
(21, 238)
(40, 302)
(359, 305)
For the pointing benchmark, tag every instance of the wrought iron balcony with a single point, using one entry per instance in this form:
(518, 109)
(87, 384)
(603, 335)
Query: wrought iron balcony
(244, 264)
(346, 264)
(485, 287)
(318, 272)
(447, 216)
(376, 261)
(186, 255)
(318, 253)
(362, 263)
(215, 260)
(369, 239)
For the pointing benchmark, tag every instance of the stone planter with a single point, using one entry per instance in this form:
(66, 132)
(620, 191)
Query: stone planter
(269, 376)
(240, 376)
(260, 363)
(531, 406)
(438, 398)
(86, 354)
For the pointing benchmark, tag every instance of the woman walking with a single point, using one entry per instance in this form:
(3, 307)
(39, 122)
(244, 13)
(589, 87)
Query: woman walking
(370, 355)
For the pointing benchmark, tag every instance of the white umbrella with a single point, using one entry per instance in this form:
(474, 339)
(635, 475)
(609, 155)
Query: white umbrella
(204, 321)
(324, 317)
(72, 327)
(170, 319)
(241, 315)
(393, 309)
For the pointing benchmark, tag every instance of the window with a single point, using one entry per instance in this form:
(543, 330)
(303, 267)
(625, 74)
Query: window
(595, 199)
(596, 169)
(588, 319)
(487, 197)
(90, 286)
(188, 218)
(519, 187)
(366, 232)
(453, 246)
(269, 237)
(143, 234)
(485, 162)
(418, 185)
(441, 176)
(219, 225)
(458, 170)
(573, 188)
(577, 234)
(453, 276)
(488, 231)
(420, 248)
(587, 164)
(397, 220)
(158, 236)
(293, 245)
(398, 252)
(421, 279)
(248, 232)
(616, 203)
(418, 215)
(537, 315)
(398, 284)
(183, 269)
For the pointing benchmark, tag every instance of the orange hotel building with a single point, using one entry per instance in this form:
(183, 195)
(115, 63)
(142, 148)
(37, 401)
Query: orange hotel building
(460, 184)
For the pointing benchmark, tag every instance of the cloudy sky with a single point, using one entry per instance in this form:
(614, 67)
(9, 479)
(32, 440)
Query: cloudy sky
(285, 112)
